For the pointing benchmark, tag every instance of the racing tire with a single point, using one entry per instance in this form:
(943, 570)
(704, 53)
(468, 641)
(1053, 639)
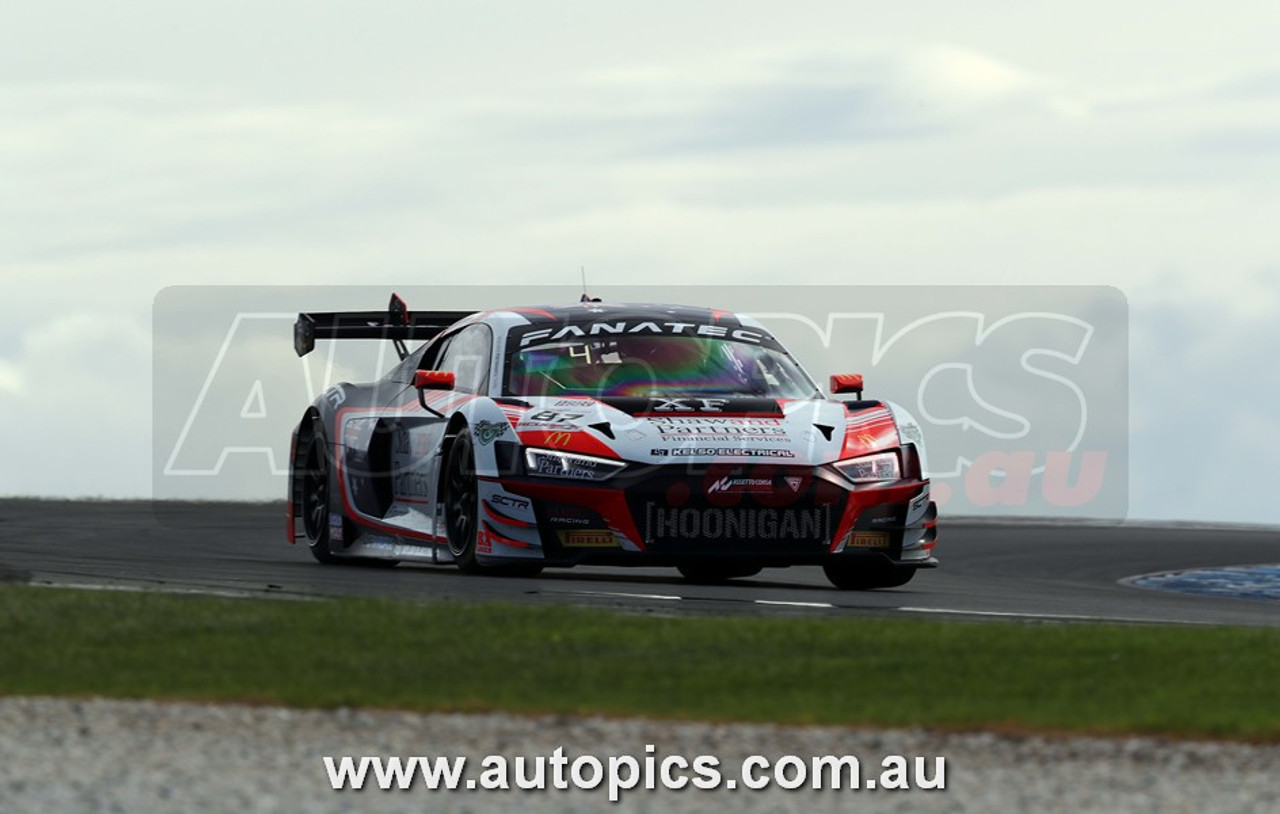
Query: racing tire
(315, 496)
(462, 503)
(855, 576)
(316, 505)
(716, 573)
(462, 514)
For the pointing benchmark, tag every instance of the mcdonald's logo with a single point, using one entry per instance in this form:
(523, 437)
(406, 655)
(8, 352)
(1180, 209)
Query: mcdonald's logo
(559, 439)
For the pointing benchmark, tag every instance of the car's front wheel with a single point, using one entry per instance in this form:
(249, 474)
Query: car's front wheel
(462, 503)
(857, 576)
(462, 514)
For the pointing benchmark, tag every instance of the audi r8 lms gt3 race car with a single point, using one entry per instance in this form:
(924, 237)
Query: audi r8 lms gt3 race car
(604, 434)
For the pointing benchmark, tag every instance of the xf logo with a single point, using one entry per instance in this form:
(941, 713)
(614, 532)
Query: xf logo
(666, 405)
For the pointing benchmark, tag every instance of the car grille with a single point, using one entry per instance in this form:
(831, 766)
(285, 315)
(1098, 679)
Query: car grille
(747, 510)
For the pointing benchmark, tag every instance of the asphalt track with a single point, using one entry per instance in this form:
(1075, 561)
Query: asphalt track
(1034, 570)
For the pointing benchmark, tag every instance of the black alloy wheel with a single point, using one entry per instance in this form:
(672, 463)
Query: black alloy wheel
(315, 497)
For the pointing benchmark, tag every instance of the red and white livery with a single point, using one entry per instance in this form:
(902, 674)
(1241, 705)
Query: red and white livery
(522, 438)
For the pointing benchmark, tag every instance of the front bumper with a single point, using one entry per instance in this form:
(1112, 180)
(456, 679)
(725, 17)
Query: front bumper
(769, 515)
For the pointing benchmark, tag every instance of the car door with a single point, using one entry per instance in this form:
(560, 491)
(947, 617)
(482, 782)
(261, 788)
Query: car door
(418, 430)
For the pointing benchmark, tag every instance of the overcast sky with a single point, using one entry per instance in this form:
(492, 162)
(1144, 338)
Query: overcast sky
(1130, 144)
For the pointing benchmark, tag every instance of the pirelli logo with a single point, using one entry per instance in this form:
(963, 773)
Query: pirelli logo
(674, 524)
(592, 538)
(869, 539)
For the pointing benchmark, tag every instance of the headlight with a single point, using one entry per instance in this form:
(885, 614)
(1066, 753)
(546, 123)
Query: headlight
(549, 464)
(872, 468)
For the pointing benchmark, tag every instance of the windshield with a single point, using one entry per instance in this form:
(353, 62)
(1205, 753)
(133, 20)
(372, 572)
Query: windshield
(648, 366)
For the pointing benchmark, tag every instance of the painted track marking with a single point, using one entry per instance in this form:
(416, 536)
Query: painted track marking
(1071, 617)
(620, 595)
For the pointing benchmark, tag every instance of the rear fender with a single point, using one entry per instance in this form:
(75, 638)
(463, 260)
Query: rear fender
(297, 449)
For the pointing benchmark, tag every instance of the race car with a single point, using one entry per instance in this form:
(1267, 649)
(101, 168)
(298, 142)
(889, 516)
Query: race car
(607, 434)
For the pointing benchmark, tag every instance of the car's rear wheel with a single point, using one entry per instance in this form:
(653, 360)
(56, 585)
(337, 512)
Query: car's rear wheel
(315, 497)
(713, 573)
(316, 501)
(856, 576)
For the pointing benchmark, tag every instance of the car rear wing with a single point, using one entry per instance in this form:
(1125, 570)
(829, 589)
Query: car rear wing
(396, 323)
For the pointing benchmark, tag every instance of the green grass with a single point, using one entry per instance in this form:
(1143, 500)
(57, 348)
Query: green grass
(1109, 679)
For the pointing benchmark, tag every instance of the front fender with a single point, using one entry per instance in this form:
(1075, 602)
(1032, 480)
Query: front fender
(491, 432)
(909, 432)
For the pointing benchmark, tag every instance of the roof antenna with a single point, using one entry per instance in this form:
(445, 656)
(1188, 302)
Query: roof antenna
(585, 296)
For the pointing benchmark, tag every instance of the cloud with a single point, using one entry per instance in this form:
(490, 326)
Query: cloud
(1250, 85)
(1243, 142)
(10, 378)
(102, 169)
(419, 144)
(780, 99)
(1203, 433)
(81, 415)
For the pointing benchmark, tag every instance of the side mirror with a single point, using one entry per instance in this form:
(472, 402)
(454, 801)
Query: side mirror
(847, 383)
(434, 380)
